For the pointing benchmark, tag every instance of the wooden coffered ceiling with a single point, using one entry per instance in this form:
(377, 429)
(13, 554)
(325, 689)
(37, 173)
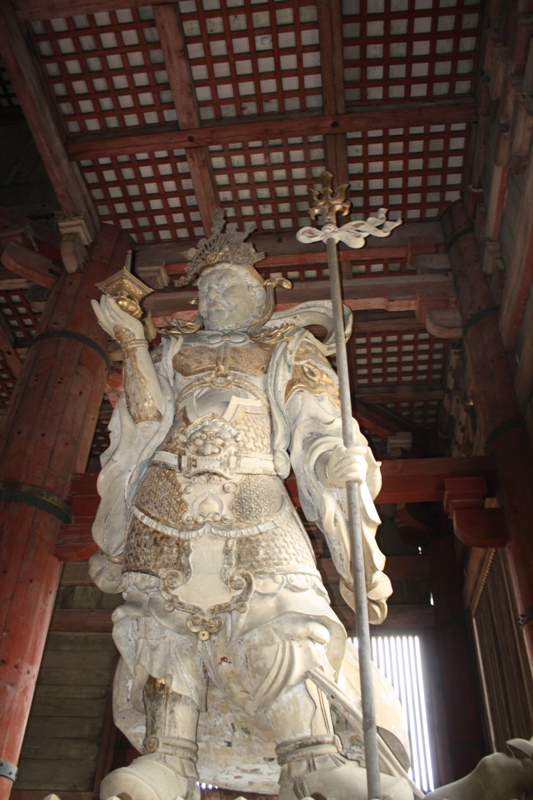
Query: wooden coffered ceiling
(173, 109)
(148, 117)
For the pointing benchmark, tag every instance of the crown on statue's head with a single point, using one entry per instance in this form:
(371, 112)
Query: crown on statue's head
(228, 247)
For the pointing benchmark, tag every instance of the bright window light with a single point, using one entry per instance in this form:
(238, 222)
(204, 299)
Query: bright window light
(398, 657)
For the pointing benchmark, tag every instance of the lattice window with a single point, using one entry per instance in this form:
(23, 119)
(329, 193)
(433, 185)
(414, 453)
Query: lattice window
(106, 70)
(150, 195)
(409, 49)
(414, 172)
(268, 180)
(253, 57)
(8, 98)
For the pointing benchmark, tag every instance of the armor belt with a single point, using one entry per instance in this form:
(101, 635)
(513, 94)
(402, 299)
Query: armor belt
(226, 464)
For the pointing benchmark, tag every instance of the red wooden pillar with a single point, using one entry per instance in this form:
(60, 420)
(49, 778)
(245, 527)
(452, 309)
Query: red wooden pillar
(46, 437)
(498, 411)
(463, 712)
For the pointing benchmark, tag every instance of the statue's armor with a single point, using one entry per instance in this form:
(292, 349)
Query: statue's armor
(211, 492)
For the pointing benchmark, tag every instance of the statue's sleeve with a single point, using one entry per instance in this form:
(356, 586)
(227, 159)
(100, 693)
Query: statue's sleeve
(312, 410)
(123, 466)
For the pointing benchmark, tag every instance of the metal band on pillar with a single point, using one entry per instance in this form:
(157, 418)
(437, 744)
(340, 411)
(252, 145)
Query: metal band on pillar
(8, 770)
(505, 427)
(485, 312)
(457, 236)
(72, 335)
(36, 496)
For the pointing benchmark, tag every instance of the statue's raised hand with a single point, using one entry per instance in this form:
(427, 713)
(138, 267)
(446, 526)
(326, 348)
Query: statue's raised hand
(347, 465)
(117, 323)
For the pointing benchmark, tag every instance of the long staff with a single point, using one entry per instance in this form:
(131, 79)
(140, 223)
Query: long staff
(327, 205)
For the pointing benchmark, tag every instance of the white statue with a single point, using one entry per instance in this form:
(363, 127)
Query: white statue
(196, 529)
(232, 660)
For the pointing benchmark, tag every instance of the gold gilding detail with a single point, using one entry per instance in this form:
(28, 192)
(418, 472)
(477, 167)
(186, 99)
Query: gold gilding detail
(308, 351)
(160, 495)
(127, 290)
(151, 551)
(330, 201)
(138, 398)
(249, 359)
(310, 378)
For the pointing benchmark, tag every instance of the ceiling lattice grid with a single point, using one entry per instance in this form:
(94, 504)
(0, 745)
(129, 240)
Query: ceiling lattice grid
(253, 58)
(106, 70)
(150, 195)
(397, 50)
(414, 172)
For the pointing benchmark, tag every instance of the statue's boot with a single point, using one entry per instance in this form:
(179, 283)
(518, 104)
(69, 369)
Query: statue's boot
(313, 767)
(309, 752)
(167, 768)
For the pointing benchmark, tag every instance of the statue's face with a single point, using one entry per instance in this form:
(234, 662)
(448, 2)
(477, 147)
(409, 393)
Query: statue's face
(226, 300)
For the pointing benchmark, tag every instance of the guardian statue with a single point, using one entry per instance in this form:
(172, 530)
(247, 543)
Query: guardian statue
(234, 669)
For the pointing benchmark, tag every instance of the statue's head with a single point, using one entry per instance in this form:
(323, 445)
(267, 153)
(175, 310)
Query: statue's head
(232, 294)
(230, 297)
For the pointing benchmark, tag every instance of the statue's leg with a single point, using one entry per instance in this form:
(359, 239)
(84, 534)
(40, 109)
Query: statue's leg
(308, 750)
(167, 768)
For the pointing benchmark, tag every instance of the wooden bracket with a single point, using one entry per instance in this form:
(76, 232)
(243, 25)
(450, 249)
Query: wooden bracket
(477, 521)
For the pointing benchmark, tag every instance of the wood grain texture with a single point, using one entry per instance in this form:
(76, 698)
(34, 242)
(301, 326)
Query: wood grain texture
(51, 407)
(402, 115)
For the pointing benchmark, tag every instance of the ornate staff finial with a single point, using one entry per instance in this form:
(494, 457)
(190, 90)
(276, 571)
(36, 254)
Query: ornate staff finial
(328, 203)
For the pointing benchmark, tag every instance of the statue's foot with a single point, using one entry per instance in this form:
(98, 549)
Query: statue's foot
(311, 767)
(150, 777)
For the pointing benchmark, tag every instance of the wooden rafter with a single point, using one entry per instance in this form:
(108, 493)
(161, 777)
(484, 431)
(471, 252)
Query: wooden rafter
(179, 76)
(387, 116)
(42, 120)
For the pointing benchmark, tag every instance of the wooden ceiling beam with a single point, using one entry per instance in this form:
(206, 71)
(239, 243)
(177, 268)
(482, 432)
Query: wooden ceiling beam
(394, 393)
(181, 84)
(329, 14)
(28, 264)
(33, 10)
(272, 127)
(360, 294)
(297, 254)
(39, 111)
